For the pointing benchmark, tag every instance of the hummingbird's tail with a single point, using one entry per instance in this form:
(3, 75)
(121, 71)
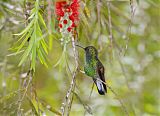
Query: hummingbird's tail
(101, 87)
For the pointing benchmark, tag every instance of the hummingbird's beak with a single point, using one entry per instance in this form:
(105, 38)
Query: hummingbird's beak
(80, 47)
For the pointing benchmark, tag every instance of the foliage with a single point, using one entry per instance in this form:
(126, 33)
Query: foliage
(37, 46)
(126, 34)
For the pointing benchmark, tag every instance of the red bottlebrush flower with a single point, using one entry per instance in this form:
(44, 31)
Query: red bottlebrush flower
(65, 21)
(74, 7)
(60, 12)
(60, 4)
(59, 8)
(64, 8)
(69, 29)
(60, 25)
(58, 18)
(73, 25)
(68, 9)
(71, 17)
(75, 15)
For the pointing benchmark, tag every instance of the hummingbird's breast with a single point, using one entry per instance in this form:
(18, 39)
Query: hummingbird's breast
(90, 67)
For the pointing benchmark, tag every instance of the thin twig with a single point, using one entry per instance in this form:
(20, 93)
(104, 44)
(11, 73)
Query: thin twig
(73, 83)
(49, 15)
(33, 91)
(128, 33)
(69, 98)
(86, 107)
(70, 101)
(99, 17)
(4, 84)
(90, 96)
(110, 30)
(29, 74)
(120, 101)
(91, 91)
(27, 10)
(50, 108)
(110, 24)
(123, 71)
(3, 69)
(126, 79)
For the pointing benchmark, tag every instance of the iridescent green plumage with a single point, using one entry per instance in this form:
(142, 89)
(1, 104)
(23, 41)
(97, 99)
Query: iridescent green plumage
(94, 68)
(90, 68)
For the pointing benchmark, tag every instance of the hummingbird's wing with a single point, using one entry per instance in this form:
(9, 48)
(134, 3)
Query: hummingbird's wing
(100, 70)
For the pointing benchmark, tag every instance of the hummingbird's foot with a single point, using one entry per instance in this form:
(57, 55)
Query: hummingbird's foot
(82, 71)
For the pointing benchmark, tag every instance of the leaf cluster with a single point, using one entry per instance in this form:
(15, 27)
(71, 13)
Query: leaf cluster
(32, 40)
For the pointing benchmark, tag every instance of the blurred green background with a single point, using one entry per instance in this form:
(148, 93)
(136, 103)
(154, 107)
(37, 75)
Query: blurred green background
(133, 73)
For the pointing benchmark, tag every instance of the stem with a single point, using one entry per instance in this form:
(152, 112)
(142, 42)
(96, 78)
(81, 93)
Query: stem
(30, 75)
(110, 24)
(69, 97)
(121, 102)
(128, 33)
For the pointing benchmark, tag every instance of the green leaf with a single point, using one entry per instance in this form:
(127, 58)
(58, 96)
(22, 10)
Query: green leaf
(44, 104)
(37, 44)
(33, 63)
(28, 50)
(43, 54)
(34, 105)
(40, 38)
(42, 58)
(23, 42)
(50, 42)
(44, 45)
(31, 16)
(27, 28)
(10, 95)
(41, 20)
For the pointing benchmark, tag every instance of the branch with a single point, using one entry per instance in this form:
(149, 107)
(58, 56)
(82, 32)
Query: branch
(128, 33)
(69, 97)
(91, 91)
(120, 101)
(110, 24)
(86, 107)
(90, 98)
(99, 16)
(73, 83)
(30, 75)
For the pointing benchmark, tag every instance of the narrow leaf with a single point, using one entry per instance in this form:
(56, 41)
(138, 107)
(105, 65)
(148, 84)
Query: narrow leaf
(27, 28)
(41, 20)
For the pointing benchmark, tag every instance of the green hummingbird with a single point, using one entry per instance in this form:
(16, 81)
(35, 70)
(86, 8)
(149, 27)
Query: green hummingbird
(94, 68)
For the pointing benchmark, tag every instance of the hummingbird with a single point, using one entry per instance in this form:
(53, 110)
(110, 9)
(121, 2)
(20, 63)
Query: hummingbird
(94, 68)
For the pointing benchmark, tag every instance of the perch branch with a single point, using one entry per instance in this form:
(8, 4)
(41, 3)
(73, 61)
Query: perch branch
(73, 83)
(69, 96)
(86, 106)
(120, 101)
(91, 91)
(90, 98)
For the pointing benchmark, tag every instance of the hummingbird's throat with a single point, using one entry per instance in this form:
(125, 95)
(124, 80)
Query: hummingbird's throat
(91, 57)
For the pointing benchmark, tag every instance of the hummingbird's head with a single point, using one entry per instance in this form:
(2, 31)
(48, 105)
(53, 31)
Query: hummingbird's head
(91, 51)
